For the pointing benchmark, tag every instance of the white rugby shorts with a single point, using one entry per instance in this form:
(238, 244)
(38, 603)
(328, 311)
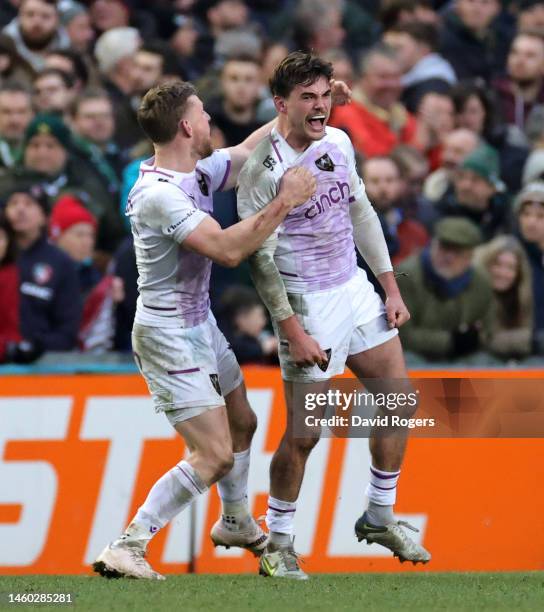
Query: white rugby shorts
(187, 370)
(344, 320)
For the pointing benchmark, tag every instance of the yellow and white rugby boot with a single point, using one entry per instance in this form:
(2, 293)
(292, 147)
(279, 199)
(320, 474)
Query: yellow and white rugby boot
(393, 537)
(281, 563)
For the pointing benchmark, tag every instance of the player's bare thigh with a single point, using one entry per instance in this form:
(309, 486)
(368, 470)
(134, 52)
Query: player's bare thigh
(383, 361)
(208, 438)
(386, 364)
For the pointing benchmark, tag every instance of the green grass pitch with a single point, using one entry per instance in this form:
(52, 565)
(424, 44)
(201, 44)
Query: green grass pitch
(367, 592)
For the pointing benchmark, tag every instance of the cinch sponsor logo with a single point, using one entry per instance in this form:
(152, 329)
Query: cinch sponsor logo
(336, 194)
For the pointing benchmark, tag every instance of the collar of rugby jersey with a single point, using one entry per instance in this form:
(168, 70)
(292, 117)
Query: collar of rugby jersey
(148, 165)
(285, 151)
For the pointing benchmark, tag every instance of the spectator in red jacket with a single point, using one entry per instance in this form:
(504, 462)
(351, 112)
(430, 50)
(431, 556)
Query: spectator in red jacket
(9, 290)
(12, 346)
(375, 120)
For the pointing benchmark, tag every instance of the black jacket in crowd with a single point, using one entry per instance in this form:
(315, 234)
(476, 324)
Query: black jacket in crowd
(50, 306)
(471, 56)
(492, 221)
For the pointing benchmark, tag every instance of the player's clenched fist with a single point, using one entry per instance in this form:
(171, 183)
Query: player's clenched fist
(297, 185)
(306, 352)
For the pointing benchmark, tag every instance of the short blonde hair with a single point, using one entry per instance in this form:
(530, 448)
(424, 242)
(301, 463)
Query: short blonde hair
(162, 108)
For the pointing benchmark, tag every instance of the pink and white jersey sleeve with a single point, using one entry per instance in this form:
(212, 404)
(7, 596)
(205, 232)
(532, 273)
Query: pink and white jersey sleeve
(217, 167)
(173, 212)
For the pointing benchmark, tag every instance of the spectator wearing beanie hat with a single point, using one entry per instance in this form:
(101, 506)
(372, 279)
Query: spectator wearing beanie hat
(50, 157)
(529, 213)
(72, 228)
(50, 306)
(477, 193)
(74, 16)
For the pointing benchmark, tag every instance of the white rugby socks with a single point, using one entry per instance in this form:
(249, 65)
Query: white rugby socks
(382, 493)
(280, 518)
(173, 492)
(232, 490)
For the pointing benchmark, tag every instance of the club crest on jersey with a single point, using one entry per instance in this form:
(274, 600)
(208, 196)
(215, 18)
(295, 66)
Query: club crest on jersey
(215, 382)
(203, 185)
(325, 163)
(324, 366)
(42, 273)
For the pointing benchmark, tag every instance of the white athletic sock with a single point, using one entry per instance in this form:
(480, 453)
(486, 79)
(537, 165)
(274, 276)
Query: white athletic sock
(280, 518)
(382, 493)
(233, 486)
(173, 492)
(232, 490)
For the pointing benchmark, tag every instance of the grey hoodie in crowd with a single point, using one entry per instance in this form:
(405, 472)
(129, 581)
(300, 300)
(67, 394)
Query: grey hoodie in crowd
(61, 40)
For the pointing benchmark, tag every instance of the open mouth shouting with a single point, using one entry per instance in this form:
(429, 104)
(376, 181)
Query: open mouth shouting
(316, 123)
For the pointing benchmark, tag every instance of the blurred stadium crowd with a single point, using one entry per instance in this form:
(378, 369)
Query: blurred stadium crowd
(447, 121)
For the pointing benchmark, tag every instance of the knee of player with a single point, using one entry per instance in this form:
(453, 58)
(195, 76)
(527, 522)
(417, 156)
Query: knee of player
(304, 446)
(242, 430)
(249, 422)
(408, 409)
(221, 462)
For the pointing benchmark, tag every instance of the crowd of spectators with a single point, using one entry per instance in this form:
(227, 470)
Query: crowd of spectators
(447, 122)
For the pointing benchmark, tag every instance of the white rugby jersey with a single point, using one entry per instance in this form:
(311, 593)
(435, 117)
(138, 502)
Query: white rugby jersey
(164, 207)
(315, 248)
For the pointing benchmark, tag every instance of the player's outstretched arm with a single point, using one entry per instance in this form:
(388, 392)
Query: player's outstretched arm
(239, 154)
(228, 247)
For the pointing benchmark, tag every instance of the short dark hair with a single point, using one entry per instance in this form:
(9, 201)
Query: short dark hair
(236, 300)
(247, 58)
(170, 63)
(81, 71)
(298, 68)
(12, 86)
(391, 10)
(52, 3)
(425, 33)
(161, 109)
(92, 93)
(67, 79)
(387, 158)
(464, 90)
